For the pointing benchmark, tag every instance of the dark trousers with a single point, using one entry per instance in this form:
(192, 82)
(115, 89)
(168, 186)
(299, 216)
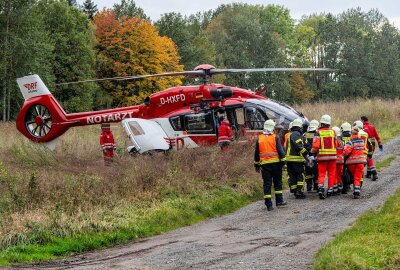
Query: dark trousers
(272, 173)
(296, 174)
(311, 176)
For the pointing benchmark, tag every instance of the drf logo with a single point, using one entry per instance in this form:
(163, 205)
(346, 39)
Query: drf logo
(31, 87)
(172, 99)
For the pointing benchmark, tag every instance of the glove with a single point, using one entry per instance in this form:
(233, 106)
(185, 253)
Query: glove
(257, 167)
(381, 147)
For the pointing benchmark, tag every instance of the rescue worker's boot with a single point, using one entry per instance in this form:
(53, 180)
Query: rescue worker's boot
(340, 188)
(336, 190)
(321, 192)
(374, 175)
(356, 192)
(299, 193)
(329, 192)
(345, 189)
(279, 200)
(369, 173)
(293, 188)
(268, 204)
(309, 185)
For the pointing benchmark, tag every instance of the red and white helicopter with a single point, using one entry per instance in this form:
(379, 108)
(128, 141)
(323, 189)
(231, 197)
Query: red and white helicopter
(175, 118)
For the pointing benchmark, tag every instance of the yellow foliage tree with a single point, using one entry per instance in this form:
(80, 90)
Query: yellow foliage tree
(301, 92)
(129, 47)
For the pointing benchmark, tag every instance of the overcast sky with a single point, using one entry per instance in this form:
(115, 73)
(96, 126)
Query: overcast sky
(154, 8)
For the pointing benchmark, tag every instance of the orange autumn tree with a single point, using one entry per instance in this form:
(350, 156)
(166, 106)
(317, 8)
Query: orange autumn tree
(129, 47)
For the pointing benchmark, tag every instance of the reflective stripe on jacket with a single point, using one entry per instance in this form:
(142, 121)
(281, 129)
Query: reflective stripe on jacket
(295, 148)
(367, 143)
(354, 149)
(225, 133)
(267, 148)
(339, 152)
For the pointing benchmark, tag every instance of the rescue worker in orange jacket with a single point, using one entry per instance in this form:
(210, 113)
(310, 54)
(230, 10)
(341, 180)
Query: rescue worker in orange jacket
(268, 158)
(324, 145)
(338, 186)
(354, 151)
(296, 154)
(311, 169)
(107, 143)
(225, 134)
(287, 134)
(374, 138)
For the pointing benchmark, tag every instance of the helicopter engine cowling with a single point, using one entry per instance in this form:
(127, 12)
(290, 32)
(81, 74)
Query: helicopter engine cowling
(221, 93)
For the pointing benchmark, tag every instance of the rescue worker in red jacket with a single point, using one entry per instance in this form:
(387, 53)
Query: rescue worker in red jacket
(225, 134)
(338, 186)
(367, 144)
(374, 138)
(324, 145)
(296, 154)
(269, 159)
(311, 169)
(107, 143)
(354, 151)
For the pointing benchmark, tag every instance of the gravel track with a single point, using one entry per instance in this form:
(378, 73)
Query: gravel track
(250, 238)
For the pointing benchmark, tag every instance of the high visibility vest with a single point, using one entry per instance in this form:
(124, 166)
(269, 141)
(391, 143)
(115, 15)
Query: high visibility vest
(291, 155)
(267, 148)
(287, 135)
(364, 136)
(345, 140)
(356, 149)
(327, 149)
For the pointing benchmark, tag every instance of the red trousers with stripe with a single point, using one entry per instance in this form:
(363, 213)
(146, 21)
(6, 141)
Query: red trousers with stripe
(357, 170)
(339, 172)
(330, 166)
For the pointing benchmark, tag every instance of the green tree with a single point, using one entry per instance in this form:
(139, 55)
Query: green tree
(129, 9)
(24, 49)
(74, 56)
(72, 3)
(90, 8)
(192, 42)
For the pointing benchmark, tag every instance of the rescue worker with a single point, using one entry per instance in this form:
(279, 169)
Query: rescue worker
(374, 138)
(225, 134)
(354, 151)
(324, 144)
(346, 177)
(269, 157)
(107, 143)
(296, 154)
(311, 169)
(288, 134)
(367, 146)
(338, 186)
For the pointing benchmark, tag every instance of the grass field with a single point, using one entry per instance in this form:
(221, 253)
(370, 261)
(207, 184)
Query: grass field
(373, 241)
(61, 202)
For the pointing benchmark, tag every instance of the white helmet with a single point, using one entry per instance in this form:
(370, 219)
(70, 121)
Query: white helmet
(313, 125)
(297, 123)
(337, 131)
(290, 125)
(269, 125)
(346, 126)
(358, 124)
(325, 119)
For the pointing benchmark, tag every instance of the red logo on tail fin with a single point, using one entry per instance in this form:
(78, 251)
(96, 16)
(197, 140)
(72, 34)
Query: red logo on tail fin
(31, 87)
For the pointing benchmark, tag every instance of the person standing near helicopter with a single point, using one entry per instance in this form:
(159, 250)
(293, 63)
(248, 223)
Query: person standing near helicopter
(107, 143)
(268, 158)
(225, 133)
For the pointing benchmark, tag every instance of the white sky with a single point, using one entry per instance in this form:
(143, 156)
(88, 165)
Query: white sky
(154, 8)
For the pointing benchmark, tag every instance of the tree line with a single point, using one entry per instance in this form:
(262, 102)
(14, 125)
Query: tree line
(63, 41)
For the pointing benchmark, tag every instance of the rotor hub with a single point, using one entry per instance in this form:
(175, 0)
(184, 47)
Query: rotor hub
(39, 120)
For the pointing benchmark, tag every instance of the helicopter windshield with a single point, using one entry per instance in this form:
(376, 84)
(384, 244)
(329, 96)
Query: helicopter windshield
(280, 112)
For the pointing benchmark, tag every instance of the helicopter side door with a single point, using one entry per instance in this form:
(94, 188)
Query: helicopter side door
(145, 135)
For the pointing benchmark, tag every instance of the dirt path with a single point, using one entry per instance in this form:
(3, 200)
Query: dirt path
(250, 238)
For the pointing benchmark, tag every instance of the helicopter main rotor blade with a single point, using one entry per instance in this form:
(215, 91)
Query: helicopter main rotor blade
(126, 78)
(248, 70)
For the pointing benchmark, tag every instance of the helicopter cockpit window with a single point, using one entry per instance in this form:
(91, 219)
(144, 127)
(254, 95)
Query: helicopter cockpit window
(136, 128)
(254, 118)
(176, 122)
(200, 123)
